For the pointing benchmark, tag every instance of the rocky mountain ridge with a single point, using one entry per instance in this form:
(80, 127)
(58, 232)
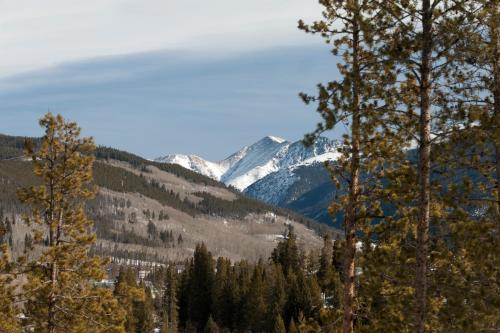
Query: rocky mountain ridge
(255, 162)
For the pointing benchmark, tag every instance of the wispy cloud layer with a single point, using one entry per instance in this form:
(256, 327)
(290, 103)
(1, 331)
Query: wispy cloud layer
(35, 34)
(153, 103)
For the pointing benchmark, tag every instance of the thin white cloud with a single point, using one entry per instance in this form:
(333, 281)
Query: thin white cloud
(35, 34)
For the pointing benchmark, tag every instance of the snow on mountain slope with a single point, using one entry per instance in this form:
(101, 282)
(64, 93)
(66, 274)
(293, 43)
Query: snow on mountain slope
(252, 163)
(259, 160)
(195, 163)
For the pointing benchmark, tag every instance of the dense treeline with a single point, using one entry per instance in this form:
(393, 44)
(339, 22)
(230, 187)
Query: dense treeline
(11, 147)
(242, 206)
(205, 293)
(121, 180)
(141, 163)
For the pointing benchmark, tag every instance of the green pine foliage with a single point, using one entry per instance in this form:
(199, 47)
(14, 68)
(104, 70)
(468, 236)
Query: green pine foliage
(279, 325)
(211, 326)
(429, 76)
(242, 296)
(9, 322)
(59, 291)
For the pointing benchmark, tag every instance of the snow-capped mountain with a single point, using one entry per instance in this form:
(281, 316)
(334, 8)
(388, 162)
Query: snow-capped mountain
(305, 188)
(196, 164)
(252, 163)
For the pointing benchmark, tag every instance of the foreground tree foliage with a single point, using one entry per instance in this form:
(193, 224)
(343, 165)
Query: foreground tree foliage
(468, 279)
(352, 28)
(8, 312)
(429, 253)
(59, 290)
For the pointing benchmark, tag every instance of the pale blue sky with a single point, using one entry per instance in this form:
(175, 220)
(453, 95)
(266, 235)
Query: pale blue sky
(209, 94)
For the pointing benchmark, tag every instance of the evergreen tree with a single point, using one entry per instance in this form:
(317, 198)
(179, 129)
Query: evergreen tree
(421, 42)
(471, 205)
(243, 272)
(9, 322)
(279, 325)
(325, 270)
(59, 288)
(201, 286)
(225, 294)
(170, 306)
(255, 307)
(307, 325)
(352, 28)
(211, 326)
(277, 294)
(291, 327)
(130, 297)
(165, 326)
(183, 292)
(145, 313)
(328, 275)
(287, 253)
(293, 302)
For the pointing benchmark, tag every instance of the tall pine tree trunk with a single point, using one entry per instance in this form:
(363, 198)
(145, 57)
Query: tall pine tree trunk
(350, 220)
(496, 94)
(51, 306)
(424, 169)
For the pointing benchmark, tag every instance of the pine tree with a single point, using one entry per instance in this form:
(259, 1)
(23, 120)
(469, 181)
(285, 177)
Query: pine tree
(183, 293)
(287, 253)
(255, 307)
(423, 34)
(224, 294)
(201, 286)
(170, 306)
(328, 276)
(478, 93)
(59, 286)
(307, 325)
(291, 327)
(243, 272)
(279, 325)
(145, 312)
(211, 326)
(130, 297)
(276, 297)
(165, 326)
(9, 322)
(325, 270)
(470, 206)
(352, 27)
(303, 296)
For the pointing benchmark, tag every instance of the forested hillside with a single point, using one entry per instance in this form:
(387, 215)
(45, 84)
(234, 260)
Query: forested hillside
(156, 212)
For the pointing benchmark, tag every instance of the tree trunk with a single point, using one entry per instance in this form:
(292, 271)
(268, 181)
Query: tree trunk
(350, 219)
(496, 94)
(424, 170)
(51, 306)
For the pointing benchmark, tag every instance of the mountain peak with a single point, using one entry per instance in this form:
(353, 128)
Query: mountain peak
(274, 138)
(254, 162)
